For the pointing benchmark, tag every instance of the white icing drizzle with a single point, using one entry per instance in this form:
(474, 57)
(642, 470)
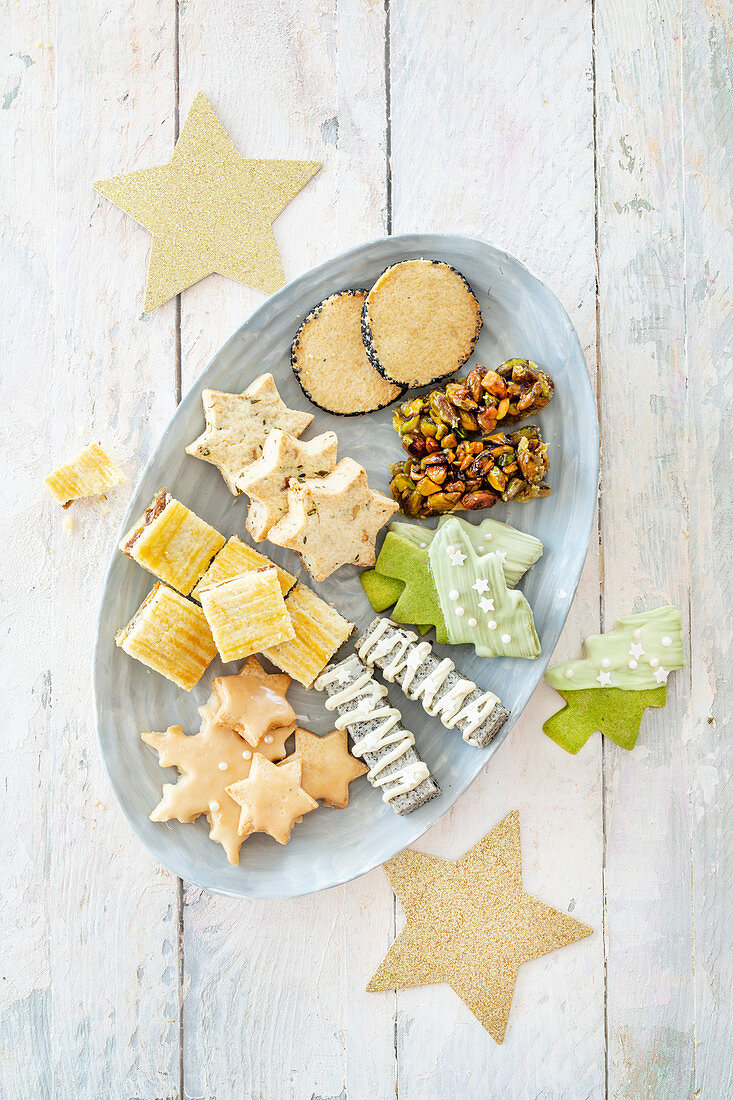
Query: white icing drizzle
(366, 693)
(409, 660)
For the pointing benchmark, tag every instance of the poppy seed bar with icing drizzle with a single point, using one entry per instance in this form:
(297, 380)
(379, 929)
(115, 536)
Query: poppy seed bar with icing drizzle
(377, 735)
(438, 685)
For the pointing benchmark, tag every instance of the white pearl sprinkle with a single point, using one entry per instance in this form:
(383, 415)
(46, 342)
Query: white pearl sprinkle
(213, 806)
(488, 537)
(654, 661)
(506, 638)
(472, 622)
(246, 755)
(666, 641)
(491, 624)
(423, 545)
(269, 739)
(223, 766)
(451, 549)
(453, 594)
(460, 611)
(636, 635)
(569, 674)
(605, 662)
(633, 664)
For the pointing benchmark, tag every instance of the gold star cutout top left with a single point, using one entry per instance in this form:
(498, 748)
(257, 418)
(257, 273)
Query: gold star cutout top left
(209, 209)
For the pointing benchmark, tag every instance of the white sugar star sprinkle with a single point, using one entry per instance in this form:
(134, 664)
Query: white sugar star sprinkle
(480, 586)
(604, 679)
(501, 555)
(455, 555)
(661, 674)
(636, 651)
(486, 605)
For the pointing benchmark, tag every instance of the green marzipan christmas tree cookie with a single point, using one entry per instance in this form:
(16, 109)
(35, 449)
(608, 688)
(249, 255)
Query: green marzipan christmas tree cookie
(381, 591)
(477, 606)
(623, 672)
(405, 561)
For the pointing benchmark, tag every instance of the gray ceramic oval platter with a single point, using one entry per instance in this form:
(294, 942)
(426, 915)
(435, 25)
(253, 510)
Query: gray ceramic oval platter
(522, 318)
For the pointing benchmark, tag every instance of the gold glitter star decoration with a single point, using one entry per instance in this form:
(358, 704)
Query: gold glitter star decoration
(470, 924)
(209, 209)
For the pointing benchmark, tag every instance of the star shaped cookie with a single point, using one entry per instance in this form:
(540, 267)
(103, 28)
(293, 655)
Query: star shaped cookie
(334, 520)
(237, 425)
(266, 481)
(253, 702)
(471, 924)
(209, 209)
(272, 799)
(209, 761)
(328, 766)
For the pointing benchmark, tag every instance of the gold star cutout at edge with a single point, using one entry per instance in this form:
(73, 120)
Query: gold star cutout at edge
(470, 924)
(209, 209)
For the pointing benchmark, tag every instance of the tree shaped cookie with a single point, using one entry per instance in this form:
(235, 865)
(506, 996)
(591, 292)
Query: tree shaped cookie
(209, 761)
(403, 560)
(622, 673)
(334, 520)
(266, 481)
(237, 425)
(518, 550)
(253, 702)
(272, 799)
(328, 766)
(477, 606)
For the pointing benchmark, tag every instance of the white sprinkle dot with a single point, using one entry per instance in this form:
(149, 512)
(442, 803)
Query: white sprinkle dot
(569, 674)
(460, 612)
(472, 622)
(506, 638)
(453, 594)
(213, 806)
(654, 661)
(223, 766)
(666, 641)
(488, 537)
(451, 549)
(246, 755)
(423, 545)
(605, 662)
(269, 739)
(633, 664)
(491, 624)
(636, 635)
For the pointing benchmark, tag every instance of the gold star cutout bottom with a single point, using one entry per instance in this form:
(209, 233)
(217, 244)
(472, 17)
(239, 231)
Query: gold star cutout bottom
(209, 209)
(470, 924)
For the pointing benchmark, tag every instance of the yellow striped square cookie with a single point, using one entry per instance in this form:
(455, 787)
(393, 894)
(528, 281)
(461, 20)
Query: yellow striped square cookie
(235, 558)
(172, 543)
(169, 634)
(247, 613)
(319, 632)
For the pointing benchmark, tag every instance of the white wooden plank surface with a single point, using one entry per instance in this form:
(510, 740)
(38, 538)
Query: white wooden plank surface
(708, 152)
(648, 875)
(289, 979)
(491, 133)
(508, 155)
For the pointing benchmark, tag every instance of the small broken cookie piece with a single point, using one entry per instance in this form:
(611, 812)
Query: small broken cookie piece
(169, 634)
(328, 766)
(90, 474)
(319, 631)
(247, 613)
(253, 702)
(237, 557)
(271, 799)
(172, 542)
(237, 425)
(334, 520)
(331, 364)
(266, 481)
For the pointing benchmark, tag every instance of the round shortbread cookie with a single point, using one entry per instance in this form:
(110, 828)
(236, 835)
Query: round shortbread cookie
(420, 322)
(331, 364)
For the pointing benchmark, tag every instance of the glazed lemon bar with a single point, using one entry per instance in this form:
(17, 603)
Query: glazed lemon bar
(169, 634)
(235, 558)
(172, 543)
(247, 613)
